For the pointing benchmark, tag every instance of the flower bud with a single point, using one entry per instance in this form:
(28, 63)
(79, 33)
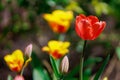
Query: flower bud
(28, 50)
(18, 77)
(64, 66)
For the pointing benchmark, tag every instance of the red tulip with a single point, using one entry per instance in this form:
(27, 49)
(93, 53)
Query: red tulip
(89, 28)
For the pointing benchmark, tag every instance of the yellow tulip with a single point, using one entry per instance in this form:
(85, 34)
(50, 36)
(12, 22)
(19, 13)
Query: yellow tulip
(57, 49)
(59, 20)
(15, 60)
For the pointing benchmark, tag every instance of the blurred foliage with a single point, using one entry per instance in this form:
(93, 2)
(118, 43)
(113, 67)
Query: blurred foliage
(38, 71)
(118, 52)
(9, 77)
(100, 71)
(22, 19)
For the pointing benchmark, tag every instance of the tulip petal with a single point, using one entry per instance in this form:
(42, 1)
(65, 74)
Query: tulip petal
(15, 61)
(45, 48)
(53, 45)
(89, 28)
(93, 19)
(59, 20)
(80, 17)
(56, 54)
(84, 29)
(57, 49)
(66, 45)
(98, 28)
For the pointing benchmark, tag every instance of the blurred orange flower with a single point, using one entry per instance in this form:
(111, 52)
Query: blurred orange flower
(59, 20)
(15, 61)
(57, 49)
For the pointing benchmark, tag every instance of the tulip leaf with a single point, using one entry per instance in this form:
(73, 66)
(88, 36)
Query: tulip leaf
(98, 74)
(54, 66)
(74, 71)
(92, 60)
(87, 74)
(118, 52)
(70, 78)
(9, 77)
(87, 62)
(39, 73)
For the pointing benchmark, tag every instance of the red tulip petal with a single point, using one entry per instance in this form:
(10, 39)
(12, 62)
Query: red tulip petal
(93, 19)
(80, 17)
(88, 28)
(56, 54)
(78, 31)
(57, 28)
(84, 29)
(79, 25)
(98, 28)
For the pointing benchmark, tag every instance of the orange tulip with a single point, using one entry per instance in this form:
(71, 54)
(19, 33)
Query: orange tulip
(59, 20)
(57, 49)
(15, 61)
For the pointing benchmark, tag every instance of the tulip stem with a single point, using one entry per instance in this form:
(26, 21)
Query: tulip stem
(62, 77)
(26, 63)
(82, 61)
(22, 70)
(61, 37)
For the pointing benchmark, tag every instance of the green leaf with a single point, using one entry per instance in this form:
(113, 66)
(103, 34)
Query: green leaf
(9, 77)
(98, 74)
(74, 6)
(39, 73)
(87, 74)
(54, 66)
(74, 71)
(87, 62)
(92, 60)
(70, 78)
(118, 52)
(101, 7)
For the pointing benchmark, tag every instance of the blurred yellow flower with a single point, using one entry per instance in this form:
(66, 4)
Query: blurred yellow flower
(57, 49)
(59, 20)
(105, 78)
(15, 61)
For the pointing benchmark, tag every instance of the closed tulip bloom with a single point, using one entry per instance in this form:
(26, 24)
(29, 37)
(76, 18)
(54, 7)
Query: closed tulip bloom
(59, 20)
(89, 28)
(15, 60)
(64, 66)
(28, 50)
(57, 49)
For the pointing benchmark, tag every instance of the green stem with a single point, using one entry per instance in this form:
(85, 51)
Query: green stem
(82, 61)
(54, 66)
(22, 70)
(62, 77)
(61, 37)
(25, 64)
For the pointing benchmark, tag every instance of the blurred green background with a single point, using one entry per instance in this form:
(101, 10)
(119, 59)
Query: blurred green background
(21, 23)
